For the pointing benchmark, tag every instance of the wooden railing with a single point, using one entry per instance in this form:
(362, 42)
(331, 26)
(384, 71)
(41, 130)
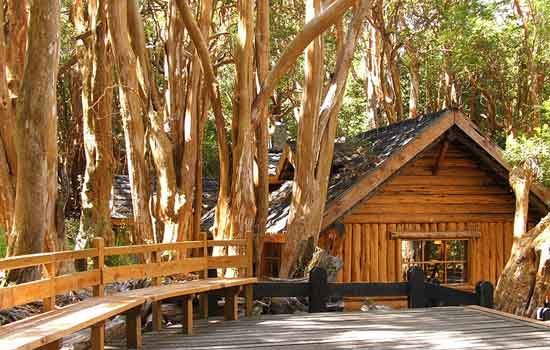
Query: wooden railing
(418, 292)
(152, 266)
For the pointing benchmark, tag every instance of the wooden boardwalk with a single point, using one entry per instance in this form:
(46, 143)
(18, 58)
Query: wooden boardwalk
(435, 328)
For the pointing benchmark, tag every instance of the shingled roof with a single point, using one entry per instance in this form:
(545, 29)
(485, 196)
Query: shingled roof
(353, 159)
(121, 197)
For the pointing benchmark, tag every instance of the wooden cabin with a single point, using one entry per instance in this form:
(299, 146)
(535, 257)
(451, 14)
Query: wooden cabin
(429, 192)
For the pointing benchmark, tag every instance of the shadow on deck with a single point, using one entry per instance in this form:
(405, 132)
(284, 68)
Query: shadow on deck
(433, 328)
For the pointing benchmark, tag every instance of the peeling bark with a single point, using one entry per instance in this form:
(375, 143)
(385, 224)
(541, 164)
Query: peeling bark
(36, 138)
(97, 103)
(262, 134)
(315, 149)
(525, 280)
(133, 112)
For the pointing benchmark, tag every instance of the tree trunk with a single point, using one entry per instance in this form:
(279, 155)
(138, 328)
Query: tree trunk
(97, 102)
(521, 178)
(305, 188)
(315, 149)
(414, 83)
(7, 183)
(525, 280)
(133, 111)
(36, 137)
(243, 204)
(262, 133)
(372, 84)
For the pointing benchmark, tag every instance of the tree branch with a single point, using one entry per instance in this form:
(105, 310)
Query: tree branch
(296, 47)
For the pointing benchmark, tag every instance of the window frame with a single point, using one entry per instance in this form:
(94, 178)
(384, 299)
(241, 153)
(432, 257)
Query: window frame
(467, 236)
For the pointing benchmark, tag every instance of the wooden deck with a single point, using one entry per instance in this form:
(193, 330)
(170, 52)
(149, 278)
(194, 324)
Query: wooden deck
(435, 328)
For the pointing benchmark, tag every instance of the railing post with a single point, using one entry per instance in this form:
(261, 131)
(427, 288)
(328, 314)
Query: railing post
(49, 303)
(417, 288)
(156, 305)
(484, 294)
(318, 286)
(203, 298)
(248, 289)
(99, 263)
(249, 255)
(97, 337)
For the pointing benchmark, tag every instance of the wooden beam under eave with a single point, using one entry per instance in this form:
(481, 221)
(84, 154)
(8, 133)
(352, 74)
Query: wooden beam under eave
(339, 206)
(440, 157)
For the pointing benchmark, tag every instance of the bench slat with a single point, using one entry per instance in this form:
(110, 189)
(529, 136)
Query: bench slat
(47, 327)
(167, 291)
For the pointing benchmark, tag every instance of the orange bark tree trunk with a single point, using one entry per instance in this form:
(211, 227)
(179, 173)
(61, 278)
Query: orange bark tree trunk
(97, 101)
(315, 149)
(133, 111)
(36, 137)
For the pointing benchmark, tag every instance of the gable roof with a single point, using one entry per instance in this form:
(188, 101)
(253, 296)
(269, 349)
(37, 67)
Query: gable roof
(364, 163)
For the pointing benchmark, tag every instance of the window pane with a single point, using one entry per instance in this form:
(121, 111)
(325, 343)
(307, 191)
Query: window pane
(412, 251)
(442, 261)
(456, 273)
(456, 250)
(434, 272)
(433, 250)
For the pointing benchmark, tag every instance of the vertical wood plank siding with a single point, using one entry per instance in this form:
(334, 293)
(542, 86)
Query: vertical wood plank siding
(486, 255)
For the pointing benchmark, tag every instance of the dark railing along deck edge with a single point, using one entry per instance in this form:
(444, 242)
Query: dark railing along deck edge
(418, 292)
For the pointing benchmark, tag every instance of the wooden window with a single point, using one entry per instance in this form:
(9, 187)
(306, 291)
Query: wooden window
(442, 260)
(271, 259)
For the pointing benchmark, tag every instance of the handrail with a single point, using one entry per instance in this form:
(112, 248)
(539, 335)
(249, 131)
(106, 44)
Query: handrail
(21, 261)
(227, 243)
(149, 248)
(52, 284)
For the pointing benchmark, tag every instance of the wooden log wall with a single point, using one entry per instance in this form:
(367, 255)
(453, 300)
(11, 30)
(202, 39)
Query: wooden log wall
(435, 193)
(370, 255)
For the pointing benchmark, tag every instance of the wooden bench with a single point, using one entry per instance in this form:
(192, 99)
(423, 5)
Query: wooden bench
(47, 329)
(187, 290)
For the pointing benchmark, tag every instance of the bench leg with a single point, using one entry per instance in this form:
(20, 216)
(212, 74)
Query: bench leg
(157, 316)
(231, 308)
(133, 328)
(249, 298)
(55, 345)
(97, 338)
(203, 304)
(187, 321)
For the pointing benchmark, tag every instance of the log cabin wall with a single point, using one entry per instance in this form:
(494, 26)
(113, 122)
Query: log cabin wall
(435, 193)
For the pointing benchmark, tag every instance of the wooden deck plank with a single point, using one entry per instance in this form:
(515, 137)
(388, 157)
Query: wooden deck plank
(435, 328)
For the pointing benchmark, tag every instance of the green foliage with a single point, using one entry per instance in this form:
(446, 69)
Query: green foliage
(534, 148)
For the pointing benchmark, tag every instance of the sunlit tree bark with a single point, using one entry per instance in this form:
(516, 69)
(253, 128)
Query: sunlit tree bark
(36, 143)
(262, 134)
(133, 111)
(13, 45)
(525, 280)
(97, 103)
(314, 149)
